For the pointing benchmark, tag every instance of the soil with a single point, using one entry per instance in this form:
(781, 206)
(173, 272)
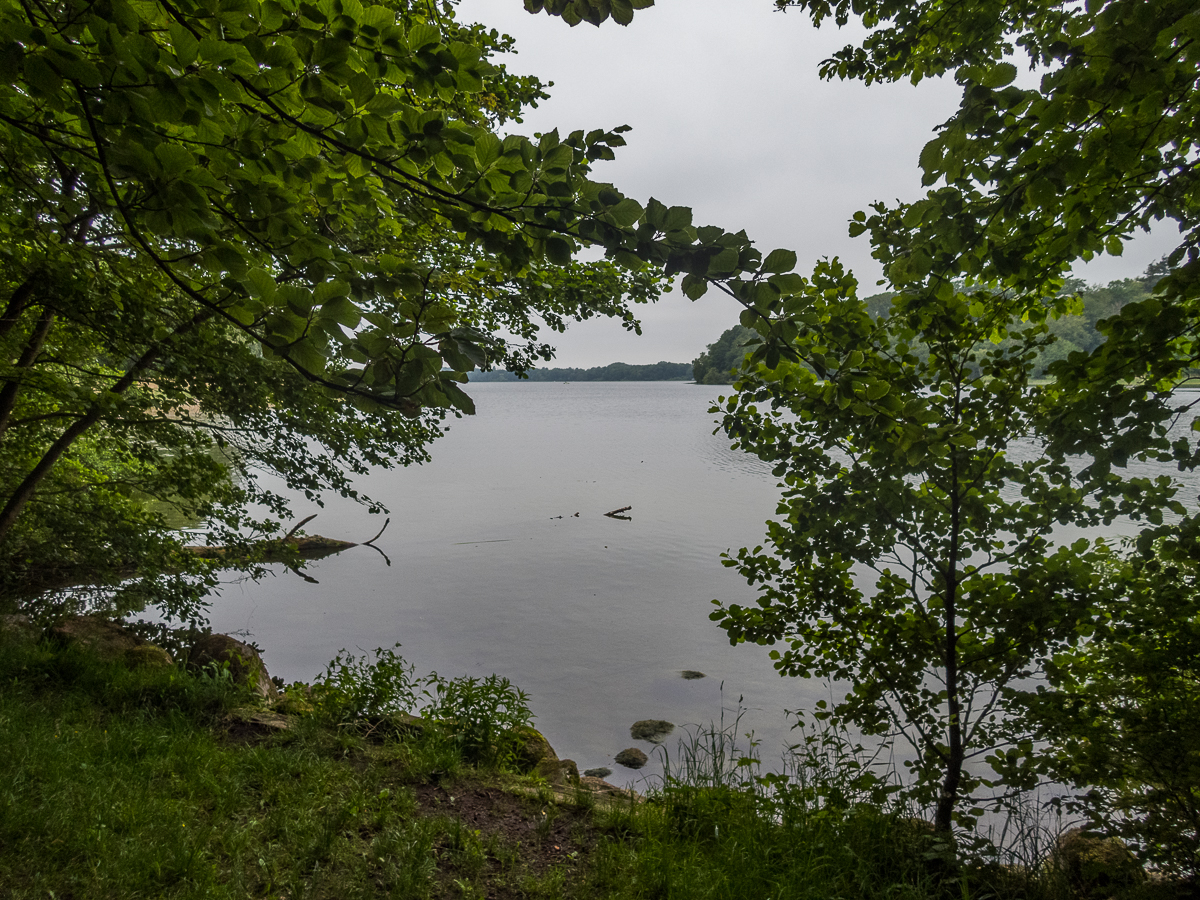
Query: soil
(539, 836)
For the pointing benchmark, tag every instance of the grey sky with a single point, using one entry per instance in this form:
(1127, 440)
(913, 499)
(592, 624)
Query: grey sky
(730, 118)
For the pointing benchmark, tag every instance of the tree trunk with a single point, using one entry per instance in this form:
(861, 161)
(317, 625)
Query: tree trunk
(25, 491)
(17, 303)
(29, 356)
(948, 796)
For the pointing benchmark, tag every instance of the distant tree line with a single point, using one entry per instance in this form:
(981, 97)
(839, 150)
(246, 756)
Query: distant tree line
(618, 371)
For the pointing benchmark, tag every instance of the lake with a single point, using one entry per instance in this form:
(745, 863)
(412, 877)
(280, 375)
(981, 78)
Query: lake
(594, 617)
(492, 572)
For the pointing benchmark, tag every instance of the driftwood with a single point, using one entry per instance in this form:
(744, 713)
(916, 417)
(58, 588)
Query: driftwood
(285, 549)
(313, 546)
(310, 546)
(616, 513)
(282, 550)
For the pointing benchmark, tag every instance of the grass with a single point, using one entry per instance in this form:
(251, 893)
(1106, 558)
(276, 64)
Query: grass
(119, 783)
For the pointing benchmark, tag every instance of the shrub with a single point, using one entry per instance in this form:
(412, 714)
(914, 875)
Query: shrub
(484, 716)
(481, 713)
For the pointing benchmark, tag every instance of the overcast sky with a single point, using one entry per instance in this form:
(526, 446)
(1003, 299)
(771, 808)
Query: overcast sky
(730, 118)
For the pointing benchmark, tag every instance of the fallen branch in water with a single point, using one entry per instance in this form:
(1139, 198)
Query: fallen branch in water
(285, 549)
(312, 546)
(277, 550)
(298, 526)
(616, 513)
(371, 542)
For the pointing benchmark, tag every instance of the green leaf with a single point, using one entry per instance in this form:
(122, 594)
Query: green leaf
(185, 44)
(558, 250)
(877, 389)
(41, 77)
(458, 397)
(626, 213)
(694, 288)
(362, 88)
(487, 150)
(174, 159)
(790, 283)
(724, 262)
(656, 213)
(1000, 75)
(677, 218)
(779, 261)
(342, 311)
(423, 35)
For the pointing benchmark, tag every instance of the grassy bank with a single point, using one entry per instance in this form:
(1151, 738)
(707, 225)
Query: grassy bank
(128, 783)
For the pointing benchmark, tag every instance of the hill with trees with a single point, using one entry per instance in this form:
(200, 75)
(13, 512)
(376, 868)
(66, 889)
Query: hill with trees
(716, 365)
(1077, 330)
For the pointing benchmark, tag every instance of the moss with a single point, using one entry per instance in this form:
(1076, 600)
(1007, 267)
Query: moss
(148, 656)
(529, 748)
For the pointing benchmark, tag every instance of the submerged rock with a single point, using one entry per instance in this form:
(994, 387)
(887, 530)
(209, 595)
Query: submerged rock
(692, 674)
(245, 665)
(653, 730)
(632, 758)
(602, 772)
(595, 785)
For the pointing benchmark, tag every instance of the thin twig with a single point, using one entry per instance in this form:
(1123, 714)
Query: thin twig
(371, 542)
(298, 526)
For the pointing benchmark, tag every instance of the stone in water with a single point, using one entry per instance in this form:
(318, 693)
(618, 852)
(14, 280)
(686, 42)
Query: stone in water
(632, 758)
(653, 730)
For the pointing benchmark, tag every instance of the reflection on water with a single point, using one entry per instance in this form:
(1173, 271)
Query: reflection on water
(491, 571)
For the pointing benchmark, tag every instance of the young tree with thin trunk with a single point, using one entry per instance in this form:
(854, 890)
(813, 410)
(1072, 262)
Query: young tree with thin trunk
(914, 558)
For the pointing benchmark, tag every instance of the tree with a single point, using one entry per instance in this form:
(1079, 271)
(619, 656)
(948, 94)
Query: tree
(1028, 180)
(890, 449)
(265, 235)
(716, 364)
(230, 229)
(926, 470)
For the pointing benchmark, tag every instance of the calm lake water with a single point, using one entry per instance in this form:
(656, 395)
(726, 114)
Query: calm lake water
(492, 572)
(594, 617)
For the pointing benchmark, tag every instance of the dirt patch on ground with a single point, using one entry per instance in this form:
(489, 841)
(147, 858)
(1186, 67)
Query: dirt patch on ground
(527, 837)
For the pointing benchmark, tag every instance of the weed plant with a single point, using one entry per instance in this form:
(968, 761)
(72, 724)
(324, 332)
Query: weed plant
(826, 827)
(478, 714)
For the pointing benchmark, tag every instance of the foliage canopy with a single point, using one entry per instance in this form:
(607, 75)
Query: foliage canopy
(274, 236)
